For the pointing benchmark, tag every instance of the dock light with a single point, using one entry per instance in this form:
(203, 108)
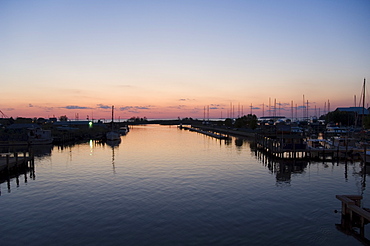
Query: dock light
(90, 124)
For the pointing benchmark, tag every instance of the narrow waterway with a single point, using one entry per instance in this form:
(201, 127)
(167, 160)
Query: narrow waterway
(165, 186)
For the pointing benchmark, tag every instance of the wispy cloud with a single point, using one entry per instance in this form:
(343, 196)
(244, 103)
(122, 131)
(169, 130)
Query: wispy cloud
(186, 99)
(195, 110)
(75, 107)
(103, 106)
(134, 109)
(216, 106)
(47, 109)
(283, 104)
(177, 107)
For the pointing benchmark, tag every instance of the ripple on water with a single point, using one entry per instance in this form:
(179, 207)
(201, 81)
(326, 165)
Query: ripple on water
(164, 186)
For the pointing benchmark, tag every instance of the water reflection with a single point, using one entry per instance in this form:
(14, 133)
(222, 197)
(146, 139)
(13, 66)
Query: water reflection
(22, 170)
(37, 150)
(175, 187)
(239, 142)
(113, 144)
(26, 170)
(282, 168)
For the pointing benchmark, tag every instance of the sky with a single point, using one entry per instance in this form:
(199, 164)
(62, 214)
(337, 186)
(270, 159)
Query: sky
(170, 59)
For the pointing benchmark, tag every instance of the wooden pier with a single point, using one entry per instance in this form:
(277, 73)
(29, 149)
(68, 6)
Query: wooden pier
(289, 146)
(10, 162)
(226, 131)
(295, 147)
(353, 216)
(208, 133)
(13, 165)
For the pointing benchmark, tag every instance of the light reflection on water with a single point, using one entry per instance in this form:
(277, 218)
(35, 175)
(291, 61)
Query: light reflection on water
(165, 186)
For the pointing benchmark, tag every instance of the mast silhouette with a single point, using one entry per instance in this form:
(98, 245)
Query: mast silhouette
(363, 103)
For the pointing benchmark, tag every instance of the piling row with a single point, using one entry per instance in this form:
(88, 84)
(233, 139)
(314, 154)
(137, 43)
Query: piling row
(353, 215)
(208, 133)
(289, 148)
(295, 147)
(11, 162)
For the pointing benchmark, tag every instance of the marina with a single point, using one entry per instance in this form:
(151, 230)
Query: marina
(142, 123)
(164, 186)
(294, 146)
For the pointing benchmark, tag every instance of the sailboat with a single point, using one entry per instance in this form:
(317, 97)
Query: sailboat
(113, 135)
(365, 155)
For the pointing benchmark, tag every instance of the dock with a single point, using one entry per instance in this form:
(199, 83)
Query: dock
(10, 162)
(290, 146)
(353, 216)
(226, 131)
(15, 164)
(208, 133)
(294, 146)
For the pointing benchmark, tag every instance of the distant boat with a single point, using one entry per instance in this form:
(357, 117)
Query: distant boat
(333, 129)
(124, 130)
(31, 134)
(316, 144)
(39, 136)
(113, 135)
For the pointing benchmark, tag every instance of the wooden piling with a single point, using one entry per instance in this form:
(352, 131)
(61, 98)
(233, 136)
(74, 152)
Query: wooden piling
(353, 215)
(8, 162)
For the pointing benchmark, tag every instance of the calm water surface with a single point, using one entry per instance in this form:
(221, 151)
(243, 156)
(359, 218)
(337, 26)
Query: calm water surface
(165, 186)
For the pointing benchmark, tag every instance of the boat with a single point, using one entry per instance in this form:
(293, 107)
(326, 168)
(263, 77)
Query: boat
(113, 135)
(39, 136)
(334, 129)
(124, 130)
(26, 134)
(316, 144)
(113, 143)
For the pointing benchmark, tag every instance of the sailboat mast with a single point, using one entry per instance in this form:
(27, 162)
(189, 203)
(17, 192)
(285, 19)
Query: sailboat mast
(112, 113)
(363, 103)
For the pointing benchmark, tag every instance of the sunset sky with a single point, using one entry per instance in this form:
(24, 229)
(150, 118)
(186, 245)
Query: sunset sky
(169, 59)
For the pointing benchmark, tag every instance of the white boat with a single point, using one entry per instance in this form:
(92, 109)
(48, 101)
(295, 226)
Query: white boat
(316, 144)
(334, 129)
(39, 136)
(113, 135)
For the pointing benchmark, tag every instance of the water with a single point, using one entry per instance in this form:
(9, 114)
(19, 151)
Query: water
(165, 186)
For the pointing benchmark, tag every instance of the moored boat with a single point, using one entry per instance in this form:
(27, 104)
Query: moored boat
(26, 134)
(124, 130)
(113, 135)
(316, 144)
(39, 136)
